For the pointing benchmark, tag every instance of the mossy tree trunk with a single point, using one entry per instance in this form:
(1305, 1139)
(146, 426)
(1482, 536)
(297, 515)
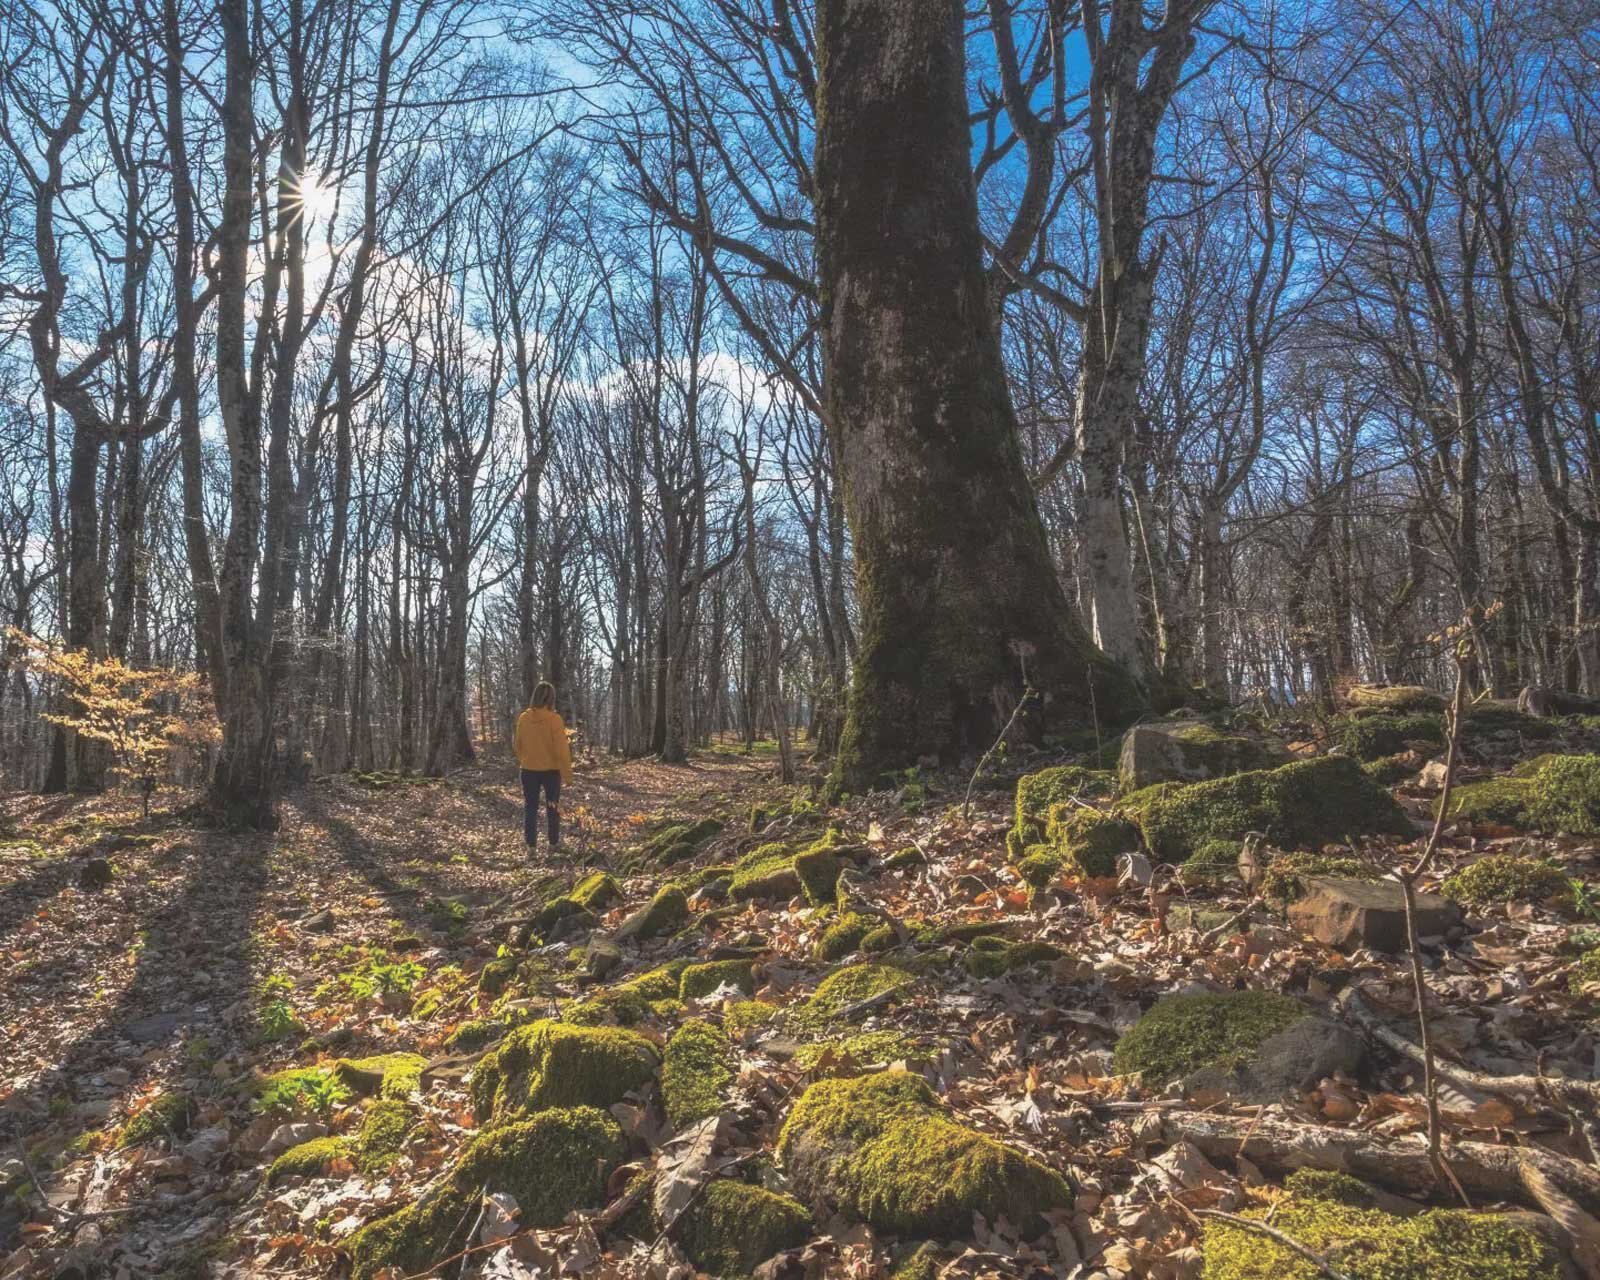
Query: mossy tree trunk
(954, 578)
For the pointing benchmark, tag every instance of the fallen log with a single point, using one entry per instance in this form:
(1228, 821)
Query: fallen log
(1486, 1171)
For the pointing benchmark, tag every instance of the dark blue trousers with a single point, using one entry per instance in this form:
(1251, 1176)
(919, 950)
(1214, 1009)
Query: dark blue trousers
(533, 782)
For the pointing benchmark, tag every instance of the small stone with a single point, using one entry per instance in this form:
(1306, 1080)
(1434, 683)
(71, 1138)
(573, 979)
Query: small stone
(94, 874)
(292, 1135)
(1432, 776)
(154, 1029)
(601, 959)
(1350, 914)
(1191, 751)
(318, 921)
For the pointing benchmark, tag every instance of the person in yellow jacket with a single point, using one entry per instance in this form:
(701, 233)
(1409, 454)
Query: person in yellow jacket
(546, 762)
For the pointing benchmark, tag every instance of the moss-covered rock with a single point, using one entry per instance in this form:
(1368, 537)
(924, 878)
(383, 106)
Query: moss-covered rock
(588, 898)
(922, 1263)
(904, 859)
(1038, 792)
(777, 870)
(389, 1075)
(733, 1227)
(1585, 971)
(695, 1071)
(1182, 1034)
(1549, 793)
(1485, 720)
(1365, 1243)
(1089, 840)
(1302, 805)
(1191, 751)
(552, 1163)
(845, 988)
(994, 957)
(844, 935)
(863, 1049)
(166, 1115)
(1506, 877)
(1215, 862)
(497, 975)
(676, 842)
(702, 979)
(1369, 737)
(383, 1134)
(1284, 878)
(474, 1033)
(665, 913)
(310, 1159)
(554, 1064)
(747, 1015)
(880, 1148)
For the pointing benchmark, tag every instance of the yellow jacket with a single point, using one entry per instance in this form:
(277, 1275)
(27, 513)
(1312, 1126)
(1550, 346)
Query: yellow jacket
(542, 742)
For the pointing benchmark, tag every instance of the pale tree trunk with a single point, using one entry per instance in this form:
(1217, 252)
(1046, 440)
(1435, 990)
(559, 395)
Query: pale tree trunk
(955, 584)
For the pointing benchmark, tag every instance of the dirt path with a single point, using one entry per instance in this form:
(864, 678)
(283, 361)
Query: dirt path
(109, 997)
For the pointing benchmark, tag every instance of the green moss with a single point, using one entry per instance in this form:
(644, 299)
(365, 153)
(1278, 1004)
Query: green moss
(1367, 737)
(495, 976)
(876, 941)
(865, 1048)
(922, 1263)
(734, 1226)
(1040, 864)
(391, 1075)
(553, 1163)
(1181, 1034)
(694, 1072)
(618, 1006)
(880, 1147)
(596, 891)
(1549, 793)
(553, 1064)
(309, 1159)
(1585, 971)
(904, 859)
(702, 979)
(1282, 881)
(677, 841)
(1325, 1184)
(747, 1015)
(844, 935)
(1367, 1244)
(992, 957)
(165, 1115)
(1213, 863)
(1493, 718)
(1387, 771)
(818, 870)
(848, 987)
(1090, 840)
(666, 913)
(383, 1134)
(1306, 804)
(474, 1034)
(1505, 877)
(1211, 752)
(1038, 793)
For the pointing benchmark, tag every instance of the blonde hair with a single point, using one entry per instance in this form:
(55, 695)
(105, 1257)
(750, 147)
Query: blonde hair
(544, 695)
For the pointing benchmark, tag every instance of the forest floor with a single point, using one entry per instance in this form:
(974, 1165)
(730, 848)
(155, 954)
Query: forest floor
(142, 1020)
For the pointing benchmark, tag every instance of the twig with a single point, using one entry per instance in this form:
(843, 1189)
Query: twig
(1271, 1232)
(966, 804)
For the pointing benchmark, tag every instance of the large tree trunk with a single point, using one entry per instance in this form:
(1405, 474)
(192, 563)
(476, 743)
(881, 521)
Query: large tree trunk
(954, 578)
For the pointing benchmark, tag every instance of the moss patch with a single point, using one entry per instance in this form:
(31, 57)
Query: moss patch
(553, 1163)
(844, 935)
(1549, 793)
(1302, 805)
(880, 1147)
(309, 1159)
(1505, 877)
(747, 1015)
(994, 957)
(1585, 971)
(1038, 793)
(1283, 880)
(1394, 697)
(863, 1049)
(390, 1075)
(848, 987)
(554, 1064)
(1181, 1034)
(702, 979)
(165, 1115)
(780, 871)
(1369, 737)
(734, 1226)
(694, 1072)
(383, 1133)
(1089, 840)
(1367, 1244)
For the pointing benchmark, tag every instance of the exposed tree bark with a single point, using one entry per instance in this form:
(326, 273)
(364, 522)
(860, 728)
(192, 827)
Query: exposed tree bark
(954, 578)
